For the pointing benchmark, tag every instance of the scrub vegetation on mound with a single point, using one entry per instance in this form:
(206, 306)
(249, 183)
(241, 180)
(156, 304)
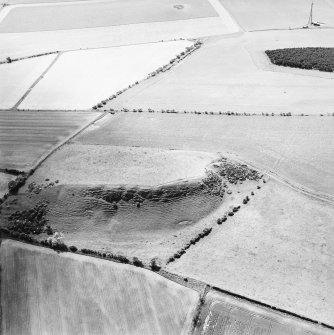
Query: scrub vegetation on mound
(321, 59)
(124, 222)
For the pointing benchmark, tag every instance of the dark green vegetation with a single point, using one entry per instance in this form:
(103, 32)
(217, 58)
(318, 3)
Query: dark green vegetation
(31, 221)
(321, 59)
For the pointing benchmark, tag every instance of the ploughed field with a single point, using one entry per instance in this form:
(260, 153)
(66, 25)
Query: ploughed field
(280, 145)
(26, 136)
(222, 314)
(45, 292)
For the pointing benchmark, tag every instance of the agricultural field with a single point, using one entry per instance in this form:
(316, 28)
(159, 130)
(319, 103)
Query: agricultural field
(17, 77)
(77, 164)
(234, 74)
(162, 132)
(285, 14)
(93, 75)
(278, 145)
(276, 250)
(321, 59)
(30, 43)
(223, 314)
(26, 136)
(91, 14)
(92, 296)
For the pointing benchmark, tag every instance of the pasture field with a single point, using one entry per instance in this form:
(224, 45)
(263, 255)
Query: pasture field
(4, 180)
(94, 75)
(279, 145)
(109, 165)
(276, 250)
(284, 14)
(234, 74)
(223, 314)
(17, 77)
(26, 136)
(101, 13)
(43, 292)
(135, 221)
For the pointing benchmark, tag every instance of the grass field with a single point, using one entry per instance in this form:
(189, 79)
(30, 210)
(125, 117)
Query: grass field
(91, 296)
(276, 250)
(91, 14)
(108, 165)
(235, 75)
(26, 136)
(284, 14)
(17, 77)
(279, 144)
(94, 75)
(135, 221)
(4, 180)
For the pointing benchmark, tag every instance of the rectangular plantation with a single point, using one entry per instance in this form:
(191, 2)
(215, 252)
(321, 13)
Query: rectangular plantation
(43, 292)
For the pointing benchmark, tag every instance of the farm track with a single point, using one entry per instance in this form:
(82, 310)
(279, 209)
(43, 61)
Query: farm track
(298, 188)
(37, 81)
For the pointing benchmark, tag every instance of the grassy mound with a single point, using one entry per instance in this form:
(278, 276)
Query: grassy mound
(321, 59)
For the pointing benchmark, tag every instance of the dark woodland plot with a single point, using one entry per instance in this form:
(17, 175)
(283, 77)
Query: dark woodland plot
(321, 59)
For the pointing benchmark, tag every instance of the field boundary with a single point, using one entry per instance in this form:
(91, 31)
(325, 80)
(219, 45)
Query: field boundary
(48, 154)
(179, 279)
(285, 181)
(15, 107)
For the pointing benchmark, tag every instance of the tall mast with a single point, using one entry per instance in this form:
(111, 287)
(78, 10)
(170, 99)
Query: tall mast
(310, 20)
